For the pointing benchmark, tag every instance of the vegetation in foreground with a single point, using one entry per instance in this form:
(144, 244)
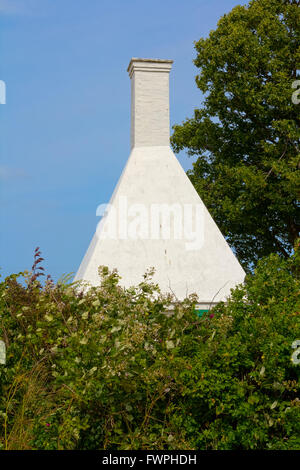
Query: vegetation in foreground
(108, 368)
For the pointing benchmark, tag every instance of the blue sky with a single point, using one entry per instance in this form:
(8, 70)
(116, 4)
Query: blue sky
(65, 127)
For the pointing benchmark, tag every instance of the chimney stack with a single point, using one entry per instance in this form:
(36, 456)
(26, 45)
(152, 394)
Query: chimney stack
(150, 118)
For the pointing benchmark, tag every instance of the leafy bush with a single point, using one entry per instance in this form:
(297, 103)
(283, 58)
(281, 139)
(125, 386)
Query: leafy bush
(114, 368)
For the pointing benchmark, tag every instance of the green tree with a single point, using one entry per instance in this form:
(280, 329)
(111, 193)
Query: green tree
(245, 135)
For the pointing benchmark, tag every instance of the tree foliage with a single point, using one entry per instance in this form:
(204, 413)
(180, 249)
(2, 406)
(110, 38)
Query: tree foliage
(245, 135)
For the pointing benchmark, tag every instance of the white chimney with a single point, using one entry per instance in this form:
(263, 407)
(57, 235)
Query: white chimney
(150, 121)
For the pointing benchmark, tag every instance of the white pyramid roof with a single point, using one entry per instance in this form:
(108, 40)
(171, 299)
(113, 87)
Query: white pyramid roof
(184, 245)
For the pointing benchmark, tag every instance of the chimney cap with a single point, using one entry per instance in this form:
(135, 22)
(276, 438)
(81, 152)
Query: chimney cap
(151, 65)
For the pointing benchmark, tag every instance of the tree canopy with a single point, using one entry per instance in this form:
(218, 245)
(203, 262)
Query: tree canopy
(245, 134)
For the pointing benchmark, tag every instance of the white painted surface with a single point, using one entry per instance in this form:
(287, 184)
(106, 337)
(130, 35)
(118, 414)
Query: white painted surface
(153, 175)
(150, 115)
